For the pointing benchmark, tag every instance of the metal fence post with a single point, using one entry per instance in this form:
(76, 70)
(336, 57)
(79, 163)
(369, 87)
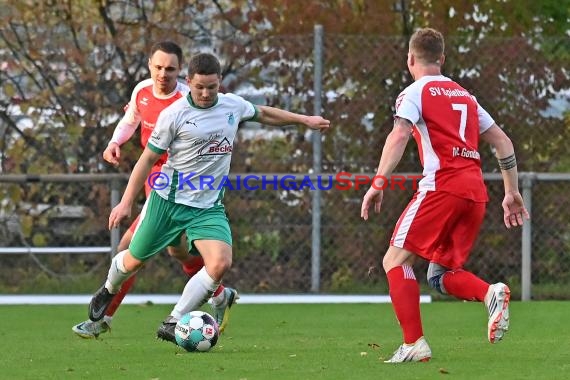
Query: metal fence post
(115, 199)
(526, 245)
(316, 137)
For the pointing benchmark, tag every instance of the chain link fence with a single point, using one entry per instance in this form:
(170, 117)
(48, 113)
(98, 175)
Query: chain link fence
(272, 229)
(524, 85)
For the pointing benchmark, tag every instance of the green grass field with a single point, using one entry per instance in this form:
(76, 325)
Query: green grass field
(289, 342)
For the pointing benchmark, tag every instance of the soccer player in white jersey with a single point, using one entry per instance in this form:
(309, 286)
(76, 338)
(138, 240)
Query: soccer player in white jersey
(198, 131)
(441, 222)
(148, 99)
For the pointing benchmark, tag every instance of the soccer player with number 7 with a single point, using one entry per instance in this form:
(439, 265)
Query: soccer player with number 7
(442, 220)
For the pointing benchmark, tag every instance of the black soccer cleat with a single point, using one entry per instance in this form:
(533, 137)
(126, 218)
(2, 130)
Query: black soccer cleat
(99, 304)
(166, 330)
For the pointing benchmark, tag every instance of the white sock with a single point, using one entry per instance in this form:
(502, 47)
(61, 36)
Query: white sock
(196, 292)
(108, 319)
(117, 273)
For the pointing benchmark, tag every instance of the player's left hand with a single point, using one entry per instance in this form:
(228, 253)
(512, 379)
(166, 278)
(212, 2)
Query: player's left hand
(374, 197)
(119, 212)
(112, 154)
(514, 211)
(318, 123)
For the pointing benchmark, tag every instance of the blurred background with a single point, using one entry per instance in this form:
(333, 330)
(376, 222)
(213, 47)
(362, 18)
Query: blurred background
(67, 69)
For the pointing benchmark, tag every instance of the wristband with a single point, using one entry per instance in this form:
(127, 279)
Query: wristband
(508, 162)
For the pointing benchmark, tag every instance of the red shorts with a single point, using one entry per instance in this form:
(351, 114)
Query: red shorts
(439, 227)
(147, 189)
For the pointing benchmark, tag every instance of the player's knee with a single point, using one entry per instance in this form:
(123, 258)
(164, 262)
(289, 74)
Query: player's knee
(389, 262)
(219, 265)
(125, 262)
(225, 263)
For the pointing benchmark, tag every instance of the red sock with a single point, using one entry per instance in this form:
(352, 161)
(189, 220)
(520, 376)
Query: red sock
(405, 295)
(465, 285)
(192, 265)
(116, 302)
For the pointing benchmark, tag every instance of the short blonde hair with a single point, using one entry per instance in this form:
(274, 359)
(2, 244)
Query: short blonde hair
(427, 45)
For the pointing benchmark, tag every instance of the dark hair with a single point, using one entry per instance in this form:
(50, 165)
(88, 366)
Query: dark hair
(204, 64)
(168, 47)
(428, 45)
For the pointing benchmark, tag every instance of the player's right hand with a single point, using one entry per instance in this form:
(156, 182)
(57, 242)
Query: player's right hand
(112, 154)
(118, 213)
(373, 197)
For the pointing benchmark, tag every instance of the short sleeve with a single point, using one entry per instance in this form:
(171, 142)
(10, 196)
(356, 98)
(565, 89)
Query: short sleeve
(247, 110)
(485, 119)
(408, 105)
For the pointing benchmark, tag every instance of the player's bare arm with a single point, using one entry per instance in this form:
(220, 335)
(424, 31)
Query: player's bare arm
(391, 155)
(278, 117)
(136, 183)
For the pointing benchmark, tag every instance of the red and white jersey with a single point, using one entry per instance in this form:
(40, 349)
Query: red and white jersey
(447, 124)
(144, 108)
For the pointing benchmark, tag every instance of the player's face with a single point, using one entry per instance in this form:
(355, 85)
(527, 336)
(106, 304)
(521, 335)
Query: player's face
(204, 89)
(164, 69)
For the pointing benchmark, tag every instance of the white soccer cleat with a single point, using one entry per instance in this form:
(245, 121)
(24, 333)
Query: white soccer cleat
(497, 302)
(222, 312)
(417, 352)
(89, 329)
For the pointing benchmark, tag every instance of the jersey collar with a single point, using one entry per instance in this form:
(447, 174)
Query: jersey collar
(189, 98)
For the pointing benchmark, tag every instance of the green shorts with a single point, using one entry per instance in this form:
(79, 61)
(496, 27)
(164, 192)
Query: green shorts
(162, 223)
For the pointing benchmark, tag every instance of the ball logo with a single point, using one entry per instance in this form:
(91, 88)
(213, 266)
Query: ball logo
(183, 330)
(208, 331)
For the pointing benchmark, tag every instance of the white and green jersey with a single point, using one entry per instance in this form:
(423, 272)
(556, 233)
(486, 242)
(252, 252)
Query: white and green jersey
(199, 142)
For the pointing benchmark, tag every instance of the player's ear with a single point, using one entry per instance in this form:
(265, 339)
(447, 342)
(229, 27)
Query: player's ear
(441, 60)
(411, 59)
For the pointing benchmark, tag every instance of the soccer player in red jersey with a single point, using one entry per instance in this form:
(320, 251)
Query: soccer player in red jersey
(148, 99)
(442, 220)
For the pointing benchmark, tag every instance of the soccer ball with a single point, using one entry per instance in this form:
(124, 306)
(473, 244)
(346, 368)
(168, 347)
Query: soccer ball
(197, 331)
